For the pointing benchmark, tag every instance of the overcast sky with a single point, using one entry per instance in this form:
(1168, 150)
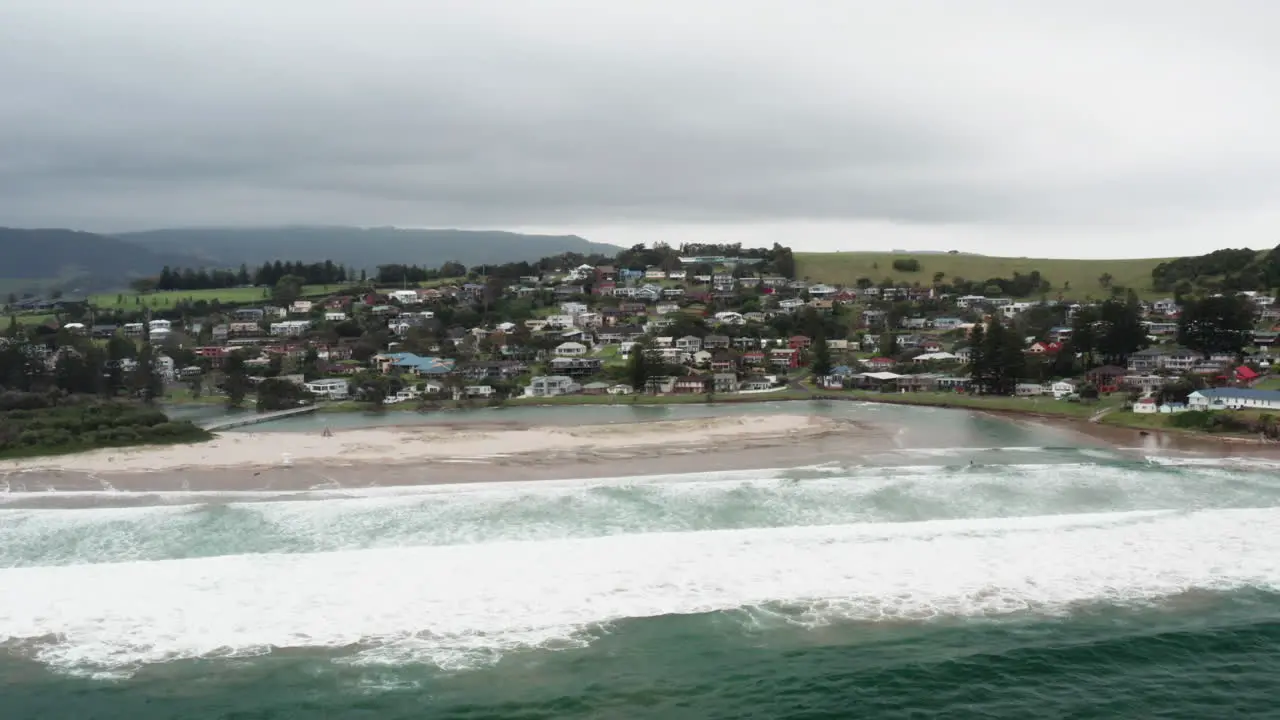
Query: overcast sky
(1107, 128)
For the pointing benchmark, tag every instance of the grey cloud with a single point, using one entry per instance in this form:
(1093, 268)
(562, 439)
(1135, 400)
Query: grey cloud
(564, 113)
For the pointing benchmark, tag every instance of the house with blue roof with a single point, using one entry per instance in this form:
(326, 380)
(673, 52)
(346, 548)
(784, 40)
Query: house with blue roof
(412, 364)
(1234, 399)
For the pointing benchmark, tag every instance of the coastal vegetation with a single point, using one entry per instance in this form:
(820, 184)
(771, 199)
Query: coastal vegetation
(43, 424)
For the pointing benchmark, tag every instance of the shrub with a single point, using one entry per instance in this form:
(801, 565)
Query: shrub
(906, 265)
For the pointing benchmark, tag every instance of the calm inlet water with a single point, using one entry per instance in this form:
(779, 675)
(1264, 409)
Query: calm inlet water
(1040, 581)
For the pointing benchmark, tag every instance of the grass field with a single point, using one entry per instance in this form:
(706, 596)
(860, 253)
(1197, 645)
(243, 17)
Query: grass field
(1271, 383)
(127, 300)
(1073, 279)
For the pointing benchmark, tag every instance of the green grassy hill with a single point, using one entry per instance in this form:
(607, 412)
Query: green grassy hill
(1073, 279)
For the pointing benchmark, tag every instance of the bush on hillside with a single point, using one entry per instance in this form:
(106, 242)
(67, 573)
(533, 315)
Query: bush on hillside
(906, 265)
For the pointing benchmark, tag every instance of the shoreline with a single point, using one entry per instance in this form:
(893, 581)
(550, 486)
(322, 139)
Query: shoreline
(501, 444)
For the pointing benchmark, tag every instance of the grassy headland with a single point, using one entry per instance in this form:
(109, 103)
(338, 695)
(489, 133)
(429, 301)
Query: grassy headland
(1073, 279)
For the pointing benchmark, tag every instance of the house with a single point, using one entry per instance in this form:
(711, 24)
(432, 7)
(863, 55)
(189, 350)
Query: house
(621, 389)
(1045, 348)
(689, 343)
(934, 357)
(1106, 378)
(716, 342)
(595, 388)
(725, 382)
(838, 345)
(799, 342)
(329, 389)
(571, 349)
(253, 315)
(1146, 406)
(575, 366)
(1234, 399)
(290, 328)
(413, 364)
(551, 386)
(473, 391)
(784, 358)
(879, 363)
(300, 307)
(1062, 388)
(1028, 389)
(964, 355)
(690, 384)
(947, 323)
(1244, 374)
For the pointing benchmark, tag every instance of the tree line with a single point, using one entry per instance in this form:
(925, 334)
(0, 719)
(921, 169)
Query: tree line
(268, 274)
(1228, 270)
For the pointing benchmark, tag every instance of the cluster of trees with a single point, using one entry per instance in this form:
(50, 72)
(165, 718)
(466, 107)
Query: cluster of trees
(997, 361)
(777, 260)
(397, 273)
(1033, 283)
(1216, 324)
(41, 423)
(1108, 333)
(1229, 270)
(269, 274)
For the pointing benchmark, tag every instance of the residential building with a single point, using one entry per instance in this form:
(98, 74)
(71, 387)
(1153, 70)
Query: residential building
(571, 349)
(551, 386)
(1234, 399)
(329, 389)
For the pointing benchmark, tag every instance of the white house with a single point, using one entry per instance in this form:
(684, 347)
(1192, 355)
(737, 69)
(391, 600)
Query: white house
(335, 316)
(1146, 406)
(404, 297)
(1234, 399)
(290, 328)
(571, 349)
(332, 389)
(1062, 388)
(550, 386)
(300, 307)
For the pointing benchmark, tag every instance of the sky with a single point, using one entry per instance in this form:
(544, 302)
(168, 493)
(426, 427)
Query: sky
(1116, 128)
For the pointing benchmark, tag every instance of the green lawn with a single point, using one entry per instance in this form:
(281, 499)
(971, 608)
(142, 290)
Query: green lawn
(846, 267)
(1270, 383)
(127, 300)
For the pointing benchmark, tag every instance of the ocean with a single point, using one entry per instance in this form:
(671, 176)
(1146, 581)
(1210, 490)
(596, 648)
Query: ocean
(990, 580)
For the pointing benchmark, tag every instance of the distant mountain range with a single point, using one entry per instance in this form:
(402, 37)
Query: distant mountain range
(89, 261)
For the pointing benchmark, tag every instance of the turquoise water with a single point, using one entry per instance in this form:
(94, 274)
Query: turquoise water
(1040, 581)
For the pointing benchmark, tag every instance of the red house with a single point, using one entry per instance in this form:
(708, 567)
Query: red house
(1045, 348)
(799, 342)
(784, 358)
(1245, 374)
(880, 363)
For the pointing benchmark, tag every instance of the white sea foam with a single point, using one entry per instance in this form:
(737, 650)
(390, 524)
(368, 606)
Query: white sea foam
(539, 511)
(456, 605)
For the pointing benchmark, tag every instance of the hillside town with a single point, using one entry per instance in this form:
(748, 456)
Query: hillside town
(704, 325)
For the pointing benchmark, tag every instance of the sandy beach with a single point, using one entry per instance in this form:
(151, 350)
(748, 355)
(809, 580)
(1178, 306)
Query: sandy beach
(237, 460)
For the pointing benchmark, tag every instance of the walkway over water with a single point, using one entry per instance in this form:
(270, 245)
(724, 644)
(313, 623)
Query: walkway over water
(258, 418)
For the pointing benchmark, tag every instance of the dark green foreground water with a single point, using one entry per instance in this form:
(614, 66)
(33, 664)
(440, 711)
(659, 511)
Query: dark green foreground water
(1219, 657)
(1014, 577)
